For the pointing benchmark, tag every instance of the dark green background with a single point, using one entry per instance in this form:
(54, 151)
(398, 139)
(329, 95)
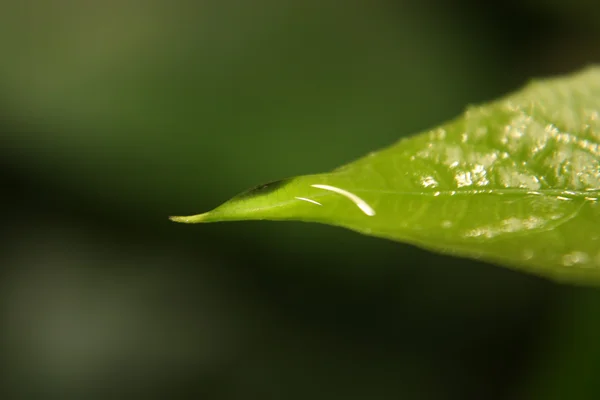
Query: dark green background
(117, 114)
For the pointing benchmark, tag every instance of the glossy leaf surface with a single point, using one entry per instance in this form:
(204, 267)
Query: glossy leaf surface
(514, 182)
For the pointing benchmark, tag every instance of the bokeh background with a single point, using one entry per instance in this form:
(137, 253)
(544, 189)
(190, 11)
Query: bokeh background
(116, 114)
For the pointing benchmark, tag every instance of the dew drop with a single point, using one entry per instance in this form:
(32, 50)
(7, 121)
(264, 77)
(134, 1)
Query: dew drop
(574, 258)
(446, 224)
(360, 203)
(429, 181)
(308, 200)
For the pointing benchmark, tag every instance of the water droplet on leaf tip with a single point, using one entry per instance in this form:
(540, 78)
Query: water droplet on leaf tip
(360, 203)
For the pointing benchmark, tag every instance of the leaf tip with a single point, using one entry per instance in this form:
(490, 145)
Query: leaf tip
(190, 219)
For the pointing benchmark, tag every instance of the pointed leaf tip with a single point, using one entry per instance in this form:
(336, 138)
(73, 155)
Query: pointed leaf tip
(190, 219)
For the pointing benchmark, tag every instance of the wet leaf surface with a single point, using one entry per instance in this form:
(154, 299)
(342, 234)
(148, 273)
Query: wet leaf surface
(514, 182)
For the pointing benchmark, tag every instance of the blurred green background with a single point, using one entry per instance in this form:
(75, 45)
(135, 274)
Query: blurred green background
(116, 114)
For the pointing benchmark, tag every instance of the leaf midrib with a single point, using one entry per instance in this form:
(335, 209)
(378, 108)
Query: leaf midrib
(592, 194)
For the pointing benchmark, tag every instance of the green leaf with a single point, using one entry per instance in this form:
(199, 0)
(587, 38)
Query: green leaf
(515, 182)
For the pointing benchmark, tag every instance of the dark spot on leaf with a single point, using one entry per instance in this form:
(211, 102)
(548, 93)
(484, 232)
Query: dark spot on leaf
(263, 189)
